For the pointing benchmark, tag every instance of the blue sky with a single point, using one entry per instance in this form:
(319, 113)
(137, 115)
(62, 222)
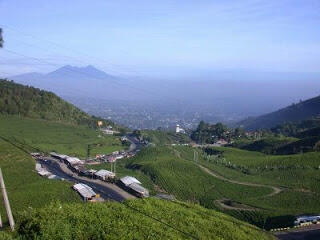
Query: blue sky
(161, 38)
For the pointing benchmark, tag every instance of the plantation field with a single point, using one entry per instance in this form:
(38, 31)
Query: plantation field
(175, 170)
(135, 219)
(297, 176)
(268, 145)
(161, 169)
(45, 136)
(25, 188)
(164, 137)
(299, 171)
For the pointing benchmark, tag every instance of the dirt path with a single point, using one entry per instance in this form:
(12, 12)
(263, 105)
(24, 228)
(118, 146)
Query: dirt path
(276, 190)
(243, 207)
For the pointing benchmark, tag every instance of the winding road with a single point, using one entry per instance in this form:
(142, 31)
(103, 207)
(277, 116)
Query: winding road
(106, 190)
(276, 190)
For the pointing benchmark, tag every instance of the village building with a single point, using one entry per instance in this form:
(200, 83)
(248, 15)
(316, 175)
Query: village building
(133, 185)
(179, 129)
(85, 191)
(307, 219)
(104, 175)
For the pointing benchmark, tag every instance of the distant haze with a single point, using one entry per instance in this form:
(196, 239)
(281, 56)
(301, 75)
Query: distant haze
(220, 60)
(223, 93)
(167, 38)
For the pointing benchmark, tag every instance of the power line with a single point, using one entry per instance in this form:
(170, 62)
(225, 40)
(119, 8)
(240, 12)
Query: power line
(83, 73)
(128, 206)
(158, 220)
(79, 52)
(57, 45)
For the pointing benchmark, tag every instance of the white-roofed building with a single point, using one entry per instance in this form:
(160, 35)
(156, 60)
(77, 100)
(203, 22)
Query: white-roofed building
(73, 160)
(38, 167)
(307, 219)
(138, 190)
(44, 173)
(58, 156)
(127, 180)
(85, 191)
(104, 175)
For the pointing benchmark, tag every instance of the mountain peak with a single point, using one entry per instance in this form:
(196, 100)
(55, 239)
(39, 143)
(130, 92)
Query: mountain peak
(90, 67)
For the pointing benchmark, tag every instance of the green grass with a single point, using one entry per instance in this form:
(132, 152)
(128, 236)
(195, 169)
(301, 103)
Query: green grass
(165, 137)
(173, 170)
(164, 169)
(63, 138)
(20, 136)
(25, 188)
(298, 175)
(135, 219)
(269, 145)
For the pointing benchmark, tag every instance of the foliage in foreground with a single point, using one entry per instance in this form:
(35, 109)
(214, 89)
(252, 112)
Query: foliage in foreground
(136, 219)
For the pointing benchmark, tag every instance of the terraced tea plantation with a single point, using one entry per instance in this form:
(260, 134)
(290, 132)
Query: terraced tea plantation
(25, 188)
(49, 136)
(135, 219)
(262, 189)
(296, 175)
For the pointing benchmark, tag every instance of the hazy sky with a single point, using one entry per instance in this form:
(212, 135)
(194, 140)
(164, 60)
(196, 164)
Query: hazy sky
(157, 38)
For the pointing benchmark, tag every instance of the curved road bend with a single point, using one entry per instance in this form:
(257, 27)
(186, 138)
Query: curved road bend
(276, 190)
(106, 190)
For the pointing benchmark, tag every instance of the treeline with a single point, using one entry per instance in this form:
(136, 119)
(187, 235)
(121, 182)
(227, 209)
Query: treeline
(299, 129)
(287, 138)
(17, 99)
(296, 112)
(207, 133)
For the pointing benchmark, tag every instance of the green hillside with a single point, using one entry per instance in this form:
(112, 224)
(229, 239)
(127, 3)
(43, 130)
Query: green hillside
(164, 137)
(286, 138)
(17, 99)
(25, 188)
(46, 136)
(297, 175)
(174, 170)
(135, 219)
(269, 145)
(294, 113)
(20, 136)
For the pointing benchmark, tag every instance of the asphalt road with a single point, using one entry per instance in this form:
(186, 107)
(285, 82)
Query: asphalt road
(135, 145)
(106, 190)
(311, 232)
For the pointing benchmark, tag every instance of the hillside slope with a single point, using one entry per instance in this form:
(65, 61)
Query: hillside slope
(17, 99)
(25, 188)
(294, 113)
(135, 219)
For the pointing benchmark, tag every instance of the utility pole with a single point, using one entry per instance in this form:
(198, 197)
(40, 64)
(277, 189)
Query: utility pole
(6, 201)
(195, 156)
(0, 221)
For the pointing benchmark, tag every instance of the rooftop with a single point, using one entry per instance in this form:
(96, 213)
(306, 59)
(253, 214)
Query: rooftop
(103, 173)
(127, 180)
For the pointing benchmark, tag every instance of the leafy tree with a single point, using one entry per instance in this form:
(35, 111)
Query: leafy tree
(31, 102)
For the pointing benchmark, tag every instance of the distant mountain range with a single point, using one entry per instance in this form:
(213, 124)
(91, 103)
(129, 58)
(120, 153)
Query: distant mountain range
(296, 112)
(73, 81)
(225, 96)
